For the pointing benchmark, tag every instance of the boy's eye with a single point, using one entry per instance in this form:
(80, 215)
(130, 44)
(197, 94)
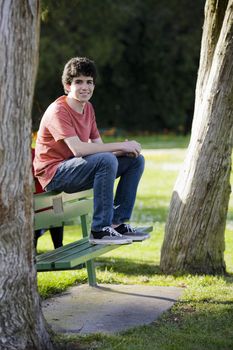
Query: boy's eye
(79, 82)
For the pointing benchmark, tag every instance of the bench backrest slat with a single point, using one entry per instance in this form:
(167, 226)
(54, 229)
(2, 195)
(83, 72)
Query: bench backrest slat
(45, 199)
(54, 210)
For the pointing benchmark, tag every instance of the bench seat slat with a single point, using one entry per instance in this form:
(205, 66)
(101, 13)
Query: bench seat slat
(91, 252)
(70, 258)
(57, 253)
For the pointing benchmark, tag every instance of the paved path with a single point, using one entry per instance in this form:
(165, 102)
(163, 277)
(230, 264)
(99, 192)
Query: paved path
(108, 308)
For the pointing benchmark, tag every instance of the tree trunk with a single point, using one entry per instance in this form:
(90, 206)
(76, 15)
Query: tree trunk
(194, 233)
(22, 324)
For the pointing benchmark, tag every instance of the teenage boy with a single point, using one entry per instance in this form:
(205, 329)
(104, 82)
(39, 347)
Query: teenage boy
(71, 157)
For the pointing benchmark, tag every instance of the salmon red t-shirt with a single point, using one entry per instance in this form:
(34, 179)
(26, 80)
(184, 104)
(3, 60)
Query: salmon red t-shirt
(60, 121)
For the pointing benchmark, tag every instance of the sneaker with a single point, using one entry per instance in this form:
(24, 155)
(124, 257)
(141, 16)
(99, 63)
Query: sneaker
(127, 231)
(108, 236)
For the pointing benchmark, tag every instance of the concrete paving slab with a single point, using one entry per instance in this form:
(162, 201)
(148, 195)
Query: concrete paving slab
(107, 308)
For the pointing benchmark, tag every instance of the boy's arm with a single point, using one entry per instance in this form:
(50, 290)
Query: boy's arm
(117, 153)
(81, 149)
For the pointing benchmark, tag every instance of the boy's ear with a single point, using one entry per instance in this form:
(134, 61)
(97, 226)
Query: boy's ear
(67, 86)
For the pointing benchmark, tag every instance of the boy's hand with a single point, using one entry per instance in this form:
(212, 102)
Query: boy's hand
(129, 154)
(132, 148)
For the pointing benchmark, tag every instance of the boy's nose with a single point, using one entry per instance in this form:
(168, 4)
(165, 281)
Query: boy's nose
(84, 86)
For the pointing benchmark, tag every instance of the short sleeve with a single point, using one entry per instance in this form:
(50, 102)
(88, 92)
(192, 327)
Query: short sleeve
(60, 124)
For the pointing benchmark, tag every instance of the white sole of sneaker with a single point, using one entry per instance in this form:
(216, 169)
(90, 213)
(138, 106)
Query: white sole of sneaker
(138, 239)
(109, 242)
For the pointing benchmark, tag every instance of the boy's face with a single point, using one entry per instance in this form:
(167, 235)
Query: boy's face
(81, 88)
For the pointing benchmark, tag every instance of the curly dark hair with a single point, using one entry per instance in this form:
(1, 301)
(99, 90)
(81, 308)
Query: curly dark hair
(78, 66)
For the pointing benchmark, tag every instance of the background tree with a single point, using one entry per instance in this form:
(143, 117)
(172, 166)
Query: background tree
(194, 237)
(21, 321)
(146, 52)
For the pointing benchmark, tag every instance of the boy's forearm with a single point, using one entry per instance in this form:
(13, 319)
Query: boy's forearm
(81, 149)
(85, 148)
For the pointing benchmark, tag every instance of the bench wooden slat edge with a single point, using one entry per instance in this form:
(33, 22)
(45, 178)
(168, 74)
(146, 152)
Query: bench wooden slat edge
(56, 253)
(73, 260)
(91, 252)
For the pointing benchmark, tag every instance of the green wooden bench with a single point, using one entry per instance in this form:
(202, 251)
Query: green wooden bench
(56, 209)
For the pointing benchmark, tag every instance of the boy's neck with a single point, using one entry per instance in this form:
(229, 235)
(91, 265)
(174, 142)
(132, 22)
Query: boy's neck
(75, 104)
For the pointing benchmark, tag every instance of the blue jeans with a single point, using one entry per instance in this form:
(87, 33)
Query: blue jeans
(99, 171)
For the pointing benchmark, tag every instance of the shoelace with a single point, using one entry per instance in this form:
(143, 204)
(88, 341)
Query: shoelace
(129, 228)
(111, 231)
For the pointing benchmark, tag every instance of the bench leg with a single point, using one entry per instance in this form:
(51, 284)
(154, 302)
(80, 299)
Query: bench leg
(90, 264)
(84, 225)
(91, 273)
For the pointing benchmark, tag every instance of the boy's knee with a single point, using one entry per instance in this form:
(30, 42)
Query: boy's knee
(140, 161)
(109, 160)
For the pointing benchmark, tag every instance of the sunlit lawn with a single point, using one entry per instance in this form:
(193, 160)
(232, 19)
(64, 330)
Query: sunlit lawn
(203, 318)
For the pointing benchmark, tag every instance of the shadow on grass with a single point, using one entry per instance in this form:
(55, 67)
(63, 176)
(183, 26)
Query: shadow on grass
(134, 268)
(209, 301)
(128, 267)
(228, 277)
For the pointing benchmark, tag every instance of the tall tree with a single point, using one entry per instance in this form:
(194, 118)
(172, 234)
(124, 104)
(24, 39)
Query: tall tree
(194, 234)
(22, 324)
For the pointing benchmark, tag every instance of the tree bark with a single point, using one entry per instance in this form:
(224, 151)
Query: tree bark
(194, 233)
(22, 325)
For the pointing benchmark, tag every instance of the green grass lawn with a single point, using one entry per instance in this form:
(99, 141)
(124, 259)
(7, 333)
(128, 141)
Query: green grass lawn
(153, 141)
(203, 318)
